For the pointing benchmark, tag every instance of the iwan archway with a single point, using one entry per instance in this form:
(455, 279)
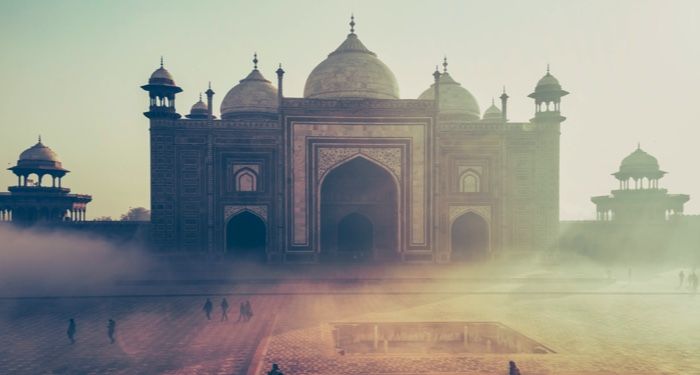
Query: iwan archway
(359, 213)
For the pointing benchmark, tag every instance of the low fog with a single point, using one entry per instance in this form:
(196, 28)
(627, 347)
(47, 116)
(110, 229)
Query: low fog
(43, 262)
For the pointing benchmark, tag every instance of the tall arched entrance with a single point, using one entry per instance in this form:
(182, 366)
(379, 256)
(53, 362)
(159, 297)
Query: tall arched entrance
(246, 237)
(470, 238)
(359, 213)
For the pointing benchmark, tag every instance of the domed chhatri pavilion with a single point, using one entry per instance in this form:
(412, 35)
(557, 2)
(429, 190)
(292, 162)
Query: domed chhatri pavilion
(39, 195)
(639, 197)
(351, 171)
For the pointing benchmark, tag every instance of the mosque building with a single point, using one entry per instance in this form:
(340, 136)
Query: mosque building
(351, 171)
(40, 196)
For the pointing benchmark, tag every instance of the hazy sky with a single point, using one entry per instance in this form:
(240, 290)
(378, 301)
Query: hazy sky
(71, 71)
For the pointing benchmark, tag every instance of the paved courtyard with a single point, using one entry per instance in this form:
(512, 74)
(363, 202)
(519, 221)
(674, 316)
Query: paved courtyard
(594, 326)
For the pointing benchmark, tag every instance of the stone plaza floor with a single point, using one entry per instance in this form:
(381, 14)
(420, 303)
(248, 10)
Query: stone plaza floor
(595, 326)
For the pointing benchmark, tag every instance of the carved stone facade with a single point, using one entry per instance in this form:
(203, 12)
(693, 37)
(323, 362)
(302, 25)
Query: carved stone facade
(194, 195)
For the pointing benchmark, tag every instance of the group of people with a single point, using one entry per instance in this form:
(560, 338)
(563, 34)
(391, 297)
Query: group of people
(691, 279)
(72, 330)
(245, 310)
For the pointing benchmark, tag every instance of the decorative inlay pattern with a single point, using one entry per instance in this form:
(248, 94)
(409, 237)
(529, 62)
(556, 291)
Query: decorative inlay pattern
(231, 211)
(329, 157)
(457, 211)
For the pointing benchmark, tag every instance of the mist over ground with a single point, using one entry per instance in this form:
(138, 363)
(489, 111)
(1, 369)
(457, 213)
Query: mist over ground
(36, 261)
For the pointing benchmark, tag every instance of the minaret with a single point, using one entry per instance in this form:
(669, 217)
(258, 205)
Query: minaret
(280, 75)
(547, 121)
(161, 91)
(504, 105)
(210, 101)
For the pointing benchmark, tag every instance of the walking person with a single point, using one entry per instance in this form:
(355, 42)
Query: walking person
(224, 309)
(71, 330)
(111, 328)
(241, 312)
(681, 279)
(208, 306)
(248, 310)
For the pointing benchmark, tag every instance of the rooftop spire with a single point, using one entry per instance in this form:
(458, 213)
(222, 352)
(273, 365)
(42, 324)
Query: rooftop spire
(200, 96)
(39, 138)
(209, 85)
(444, 64)
(352, 23)
(161, 61)
(255, 61)
(547, 68)
(638, 144)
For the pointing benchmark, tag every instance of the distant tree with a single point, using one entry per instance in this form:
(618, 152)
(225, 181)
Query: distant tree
(103, 218)
(137, 214)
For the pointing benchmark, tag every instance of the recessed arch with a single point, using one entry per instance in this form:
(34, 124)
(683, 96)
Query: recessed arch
(470, 238)
(470, 181)
(246, 180)
(357, 188)
(246, 236)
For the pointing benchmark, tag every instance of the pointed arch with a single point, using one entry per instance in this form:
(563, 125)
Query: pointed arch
(245, 180)
(246, 235)
(470, 181)
(359, 187)
(470, 237)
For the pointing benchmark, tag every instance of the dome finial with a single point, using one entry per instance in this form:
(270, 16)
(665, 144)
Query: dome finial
(161, 61)
(255, 60)
(547, 68)
(352, 23)
(209, 85)
(39, 138)
(200, 96)
(639, 147)
(444, 64)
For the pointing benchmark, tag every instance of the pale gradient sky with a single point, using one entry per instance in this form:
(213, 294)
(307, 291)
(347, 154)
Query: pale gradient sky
(71, 71)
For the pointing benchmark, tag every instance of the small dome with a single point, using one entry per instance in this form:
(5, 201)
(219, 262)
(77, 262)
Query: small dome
(353, 72)
(38, 152)
(200, 106)
(454, 99)
(639, 161)
(199, 110)
(492, 112)
(254, 94)
(548, 84)
(39, 157)
(161, 76)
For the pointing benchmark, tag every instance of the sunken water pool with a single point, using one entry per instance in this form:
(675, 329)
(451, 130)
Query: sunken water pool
(432, 337)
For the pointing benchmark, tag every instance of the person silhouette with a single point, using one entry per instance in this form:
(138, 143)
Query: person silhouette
(275, 370)
(71, 330)
(111, 327)
(208, 306)
(241, 312)
(513, 368)
(224, 309)
(248, 310)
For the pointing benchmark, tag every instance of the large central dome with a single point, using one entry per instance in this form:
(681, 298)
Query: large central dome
(351, 72)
